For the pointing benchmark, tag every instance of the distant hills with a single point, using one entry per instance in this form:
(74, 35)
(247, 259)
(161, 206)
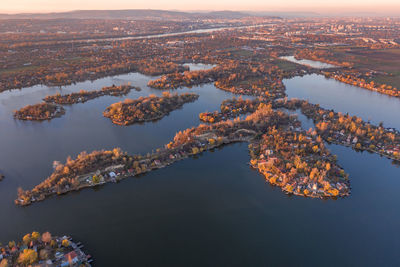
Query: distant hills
(130, 14)
(153, 14)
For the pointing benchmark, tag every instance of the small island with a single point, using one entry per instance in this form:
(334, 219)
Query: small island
(37, 249)
(1, 177)
(147, 108)
(39, 112)
(83, 96)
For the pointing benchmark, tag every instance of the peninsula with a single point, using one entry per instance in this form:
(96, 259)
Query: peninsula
(83, 96)
(100, 167)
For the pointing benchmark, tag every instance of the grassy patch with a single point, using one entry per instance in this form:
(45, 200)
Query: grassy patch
(285, 65)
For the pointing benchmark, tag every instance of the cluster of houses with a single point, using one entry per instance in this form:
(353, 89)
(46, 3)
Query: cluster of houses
(389, 150)
(325, 180)
(59, 251)
(385, 141)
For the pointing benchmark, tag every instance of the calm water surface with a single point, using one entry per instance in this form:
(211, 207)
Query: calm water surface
(207, 211)
(346, 98)
(310, 63)
(199, 66)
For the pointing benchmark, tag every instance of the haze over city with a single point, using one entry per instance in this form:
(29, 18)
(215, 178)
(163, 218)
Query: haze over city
(330, 6)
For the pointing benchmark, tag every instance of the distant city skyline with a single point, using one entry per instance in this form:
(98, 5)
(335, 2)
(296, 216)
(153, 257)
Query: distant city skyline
(327, 6)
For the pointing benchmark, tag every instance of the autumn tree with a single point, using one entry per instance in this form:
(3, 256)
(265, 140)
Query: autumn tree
(28, 257)
(65, 243)
(46, 237)
(27, 239)
(4, 263)
(35, 236)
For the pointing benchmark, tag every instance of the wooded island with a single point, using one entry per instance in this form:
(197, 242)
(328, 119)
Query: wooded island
(148, 108)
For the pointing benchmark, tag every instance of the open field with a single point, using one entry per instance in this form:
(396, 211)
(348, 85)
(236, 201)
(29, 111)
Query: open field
(384, 60)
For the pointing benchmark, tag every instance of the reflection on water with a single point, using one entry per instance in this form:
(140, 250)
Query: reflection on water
(310, 63)
(199, 66)
(170, 34)
(210, 210)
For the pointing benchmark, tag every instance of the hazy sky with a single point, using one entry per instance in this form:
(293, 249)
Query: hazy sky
(392, 6)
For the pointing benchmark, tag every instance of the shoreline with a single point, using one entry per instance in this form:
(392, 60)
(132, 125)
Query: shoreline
(132, 174)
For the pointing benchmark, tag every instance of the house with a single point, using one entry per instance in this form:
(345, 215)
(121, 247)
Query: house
(269, 152)
(112, 174)
(58, 255)
(69, 259)
(314, 187)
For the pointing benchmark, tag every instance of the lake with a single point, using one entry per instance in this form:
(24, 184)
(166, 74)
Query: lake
(212, 210)
(199, 66)
(310, 63)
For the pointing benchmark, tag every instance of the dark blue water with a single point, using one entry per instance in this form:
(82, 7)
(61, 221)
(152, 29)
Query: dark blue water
(207, 211)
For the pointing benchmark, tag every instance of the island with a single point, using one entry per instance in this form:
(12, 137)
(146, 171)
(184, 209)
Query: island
(37, 249)
(83, 96)
(1, 177)
(148, 108)
(39, 112)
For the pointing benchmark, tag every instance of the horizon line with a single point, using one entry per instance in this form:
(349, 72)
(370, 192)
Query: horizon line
(372, 12)
(331, 13)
